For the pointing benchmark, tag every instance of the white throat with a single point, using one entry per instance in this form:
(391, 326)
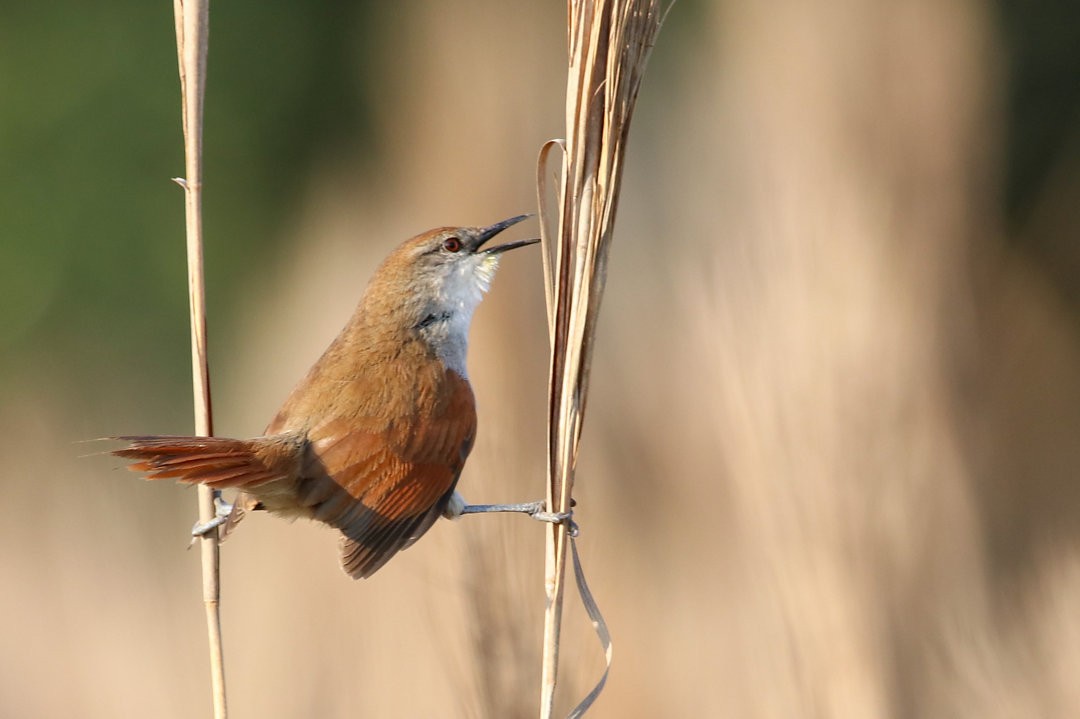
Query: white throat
(446, 325)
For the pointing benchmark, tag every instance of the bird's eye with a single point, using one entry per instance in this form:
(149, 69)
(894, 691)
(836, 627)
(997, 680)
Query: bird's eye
(451, 244)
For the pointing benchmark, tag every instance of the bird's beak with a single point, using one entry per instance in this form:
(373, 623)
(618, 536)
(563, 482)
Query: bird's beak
(499, 249)
(487, 233)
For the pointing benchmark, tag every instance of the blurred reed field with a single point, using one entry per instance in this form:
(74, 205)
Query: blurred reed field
(830, 465)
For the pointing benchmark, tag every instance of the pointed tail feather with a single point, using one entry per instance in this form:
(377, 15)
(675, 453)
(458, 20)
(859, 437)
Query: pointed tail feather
(217, 462)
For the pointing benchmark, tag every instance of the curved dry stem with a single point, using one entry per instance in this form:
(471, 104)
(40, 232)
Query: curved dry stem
(609, 42)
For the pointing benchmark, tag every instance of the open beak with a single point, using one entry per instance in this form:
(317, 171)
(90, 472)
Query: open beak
(499, 249)
(488, 232)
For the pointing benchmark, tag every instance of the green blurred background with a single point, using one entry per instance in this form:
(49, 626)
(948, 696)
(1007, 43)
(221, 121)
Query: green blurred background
(831, 462)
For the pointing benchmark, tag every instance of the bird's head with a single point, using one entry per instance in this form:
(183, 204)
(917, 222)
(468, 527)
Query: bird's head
(432, 283)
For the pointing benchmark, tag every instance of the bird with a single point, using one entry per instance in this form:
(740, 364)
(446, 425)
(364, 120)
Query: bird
(373, 439)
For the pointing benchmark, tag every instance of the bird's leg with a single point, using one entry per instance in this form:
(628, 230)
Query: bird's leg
(222, 510)
(457, 506)
(536, 510)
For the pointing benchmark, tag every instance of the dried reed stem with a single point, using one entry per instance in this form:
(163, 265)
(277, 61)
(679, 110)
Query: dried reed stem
(192, 28)
(609, 43)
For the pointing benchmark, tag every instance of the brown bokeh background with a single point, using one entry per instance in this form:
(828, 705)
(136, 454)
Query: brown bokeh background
(831, 458)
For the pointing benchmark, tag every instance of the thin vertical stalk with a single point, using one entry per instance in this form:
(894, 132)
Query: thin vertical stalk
(192, 29)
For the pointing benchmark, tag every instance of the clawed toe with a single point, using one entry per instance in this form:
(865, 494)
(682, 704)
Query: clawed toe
(222, 510)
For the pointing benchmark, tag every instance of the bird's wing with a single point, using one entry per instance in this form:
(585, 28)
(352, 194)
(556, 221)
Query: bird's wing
(383, 485)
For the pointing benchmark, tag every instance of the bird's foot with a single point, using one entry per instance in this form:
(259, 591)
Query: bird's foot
(536, 510)
(222, 510)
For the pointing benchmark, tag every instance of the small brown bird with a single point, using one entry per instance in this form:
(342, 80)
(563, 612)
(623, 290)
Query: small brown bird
(372, 441)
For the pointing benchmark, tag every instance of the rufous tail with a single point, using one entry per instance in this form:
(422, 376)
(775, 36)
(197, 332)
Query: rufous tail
(217, 462)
